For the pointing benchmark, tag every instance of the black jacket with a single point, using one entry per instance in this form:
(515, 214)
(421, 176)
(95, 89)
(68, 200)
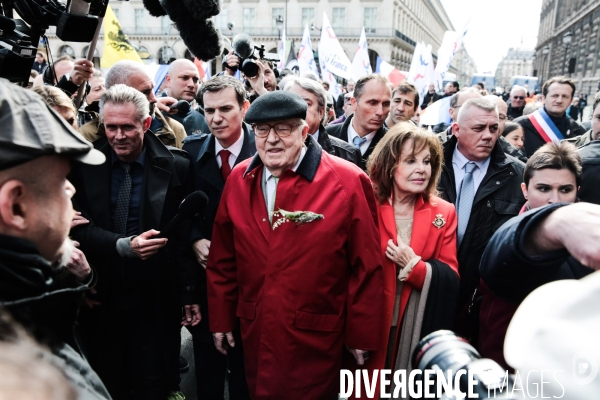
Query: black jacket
(514, 112)
(590, 183)
(533, 141)
(429, 97)
(207, 178)
(498, 198)
(45, 302)
(339, 148)
(157, 281)
(340, 131)
(510, 273)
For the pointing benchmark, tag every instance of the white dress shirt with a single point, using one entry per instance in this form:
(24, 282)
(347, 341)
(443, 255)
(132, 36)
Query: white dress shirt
(316, 135)
(458, 164)
(234, 149)
(352, 134)
(271, 185)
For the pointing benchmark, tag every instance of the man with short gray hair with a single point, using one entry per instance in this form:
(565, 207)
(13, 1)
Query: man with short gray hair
(516, 102)
(132, 74)
(128, 200)
(485, 185)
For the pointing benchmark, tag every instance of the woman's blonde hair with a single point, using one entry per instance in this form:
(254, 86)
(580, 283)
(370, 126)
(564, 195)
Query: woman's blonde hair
(55, 97)
(386, 156)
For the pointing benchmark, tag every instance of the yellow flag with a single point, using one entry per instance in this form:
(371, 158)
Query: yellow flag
(117, 46)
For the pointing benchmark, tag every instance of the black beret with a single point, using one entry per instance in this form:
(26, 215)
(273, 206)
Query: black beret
(276, 106)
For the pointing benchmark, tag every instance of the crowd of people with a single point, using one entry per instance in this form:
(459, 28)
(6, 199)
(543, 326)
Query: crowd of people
(325, 243)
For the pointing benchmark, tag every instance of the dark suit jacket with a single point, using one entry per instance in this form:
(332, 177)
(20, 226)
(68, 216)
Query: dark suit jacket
(131, 281)
(207, 177)
(340, 131)
(339, 148)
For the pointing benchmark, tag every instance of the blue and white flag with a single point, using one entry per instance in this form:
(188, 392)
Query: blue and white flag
(332, 57)
(306, 58)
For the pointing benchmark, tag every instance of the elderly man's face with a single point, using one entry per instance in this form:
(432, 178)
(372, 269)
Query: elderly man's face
(124, 130)
(97, 89)
(350, 86)
(477, 132)
(279, 153)
(517, 98)
(314, 114)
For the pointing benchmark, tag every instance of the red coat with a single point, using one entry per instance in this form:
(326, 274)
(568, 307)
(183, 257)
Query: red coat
(427, 241)
(304, 292)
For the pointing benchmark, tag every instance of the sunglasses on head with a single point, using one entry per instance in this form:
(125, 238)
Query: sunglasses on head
(519, 97)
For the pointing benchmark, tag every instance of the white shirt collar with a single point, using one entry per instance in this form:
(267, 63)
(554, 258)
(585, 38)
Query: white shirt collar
(352, 134)
(294, 168)
(316, 135)
(234, 149)
(460, 160)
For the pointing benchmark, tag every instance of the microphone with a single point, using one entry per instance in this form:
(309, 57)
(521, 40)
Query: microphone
(192, 205)
(243, 45)
(181, 105)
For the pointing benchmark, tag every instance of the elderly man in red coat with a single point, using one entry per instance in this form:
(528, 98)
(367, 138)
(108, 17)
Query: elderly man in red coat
(295, 259)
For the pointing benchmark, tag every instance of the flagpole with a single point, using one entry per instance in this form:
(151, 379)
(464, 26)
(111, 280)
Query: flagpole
(90, 55)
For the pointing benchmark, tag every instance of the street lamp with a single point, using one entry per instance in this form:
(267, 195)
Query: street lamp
(566, 39)
(545, 51)
(279, 24)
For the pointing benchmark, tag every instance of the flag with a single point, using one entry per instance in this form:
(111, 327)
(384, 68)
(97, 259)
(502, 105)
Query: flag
(422, 71)
(281, 47)
(437, 112)
(117, 46)
(332, 57)
(292, 59)
(361, 65)
(448, 49)
(306, 59)
(390, 72)
(203, 69)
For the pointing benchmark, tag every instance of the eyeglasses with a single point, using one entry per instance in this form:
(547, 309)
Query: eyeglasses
(282, 130)
(519, 97)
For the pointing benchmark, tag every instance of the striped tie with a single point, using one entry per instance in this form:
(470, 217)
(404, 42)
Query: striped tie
(123, 199)
(465, 200)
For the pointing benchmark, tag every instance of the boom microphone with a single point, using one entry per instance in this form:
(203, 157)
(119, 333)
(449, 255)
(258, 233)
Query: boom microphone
(180, 106)
(192, 205)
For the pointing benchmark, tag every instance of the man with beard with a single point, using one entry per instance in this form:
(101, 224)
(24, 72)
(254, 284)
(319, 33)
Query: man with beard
(371, 103)
(36, 147)
(263, 82)
(130, 73)
(405, 101)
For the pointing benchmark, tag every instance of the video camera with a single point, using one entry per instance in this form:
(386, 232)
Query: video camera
(246, 50)
(443, 350)
(75, 21)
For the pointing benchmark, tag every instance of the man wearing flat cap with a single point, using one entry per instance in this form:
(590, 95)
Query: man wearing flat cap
(297, 261)
(36, 151)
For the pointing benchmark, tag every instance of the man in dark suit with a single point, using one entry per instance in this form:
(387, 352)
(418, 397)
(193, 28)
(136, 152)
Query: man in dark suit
(315, 96)
(128, 199)
(214, 155)
(371, 104)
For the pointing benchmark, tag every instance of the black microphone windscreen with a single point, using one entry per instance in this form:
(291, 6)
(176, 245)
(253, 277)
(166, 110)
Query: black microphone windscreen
(182, 106)
(202, 9)
(243, 45)
(202, 38)
(192, 204)
(154, 8)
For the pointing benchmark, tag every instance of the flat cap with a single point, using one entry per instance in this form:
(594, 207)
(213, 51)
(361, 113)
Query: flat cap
(32, 129)
(276, 106)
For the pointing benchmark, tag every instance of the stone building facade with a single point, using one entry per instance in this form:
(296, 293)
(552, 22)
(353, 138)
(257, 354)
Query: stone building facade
(516, 62)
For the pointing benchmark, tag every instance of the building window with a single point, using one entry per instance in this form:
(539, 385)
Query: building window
(165, 24)
(249, 18)
(370, 20)
(308, 17)
(276, 12)
(221, 21)
(116, 12)
(339, 18)
(140, 20)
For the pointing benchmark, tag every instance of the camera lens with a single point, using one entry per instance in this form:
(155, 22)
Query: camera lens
(250, 68)
(445, 350)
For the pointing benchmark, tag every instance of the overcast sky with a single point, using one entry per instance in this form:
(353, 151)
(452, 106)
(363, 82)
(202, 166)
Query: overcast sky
(496, 25)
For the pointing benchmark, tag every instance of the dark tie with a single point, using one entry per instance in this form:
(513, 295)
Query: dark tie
(225, 168)
(465, 200)
(123, 198)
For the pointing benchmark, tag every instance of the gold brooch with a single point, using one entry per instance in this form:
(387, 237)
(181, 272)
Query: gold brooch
(439, 221)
